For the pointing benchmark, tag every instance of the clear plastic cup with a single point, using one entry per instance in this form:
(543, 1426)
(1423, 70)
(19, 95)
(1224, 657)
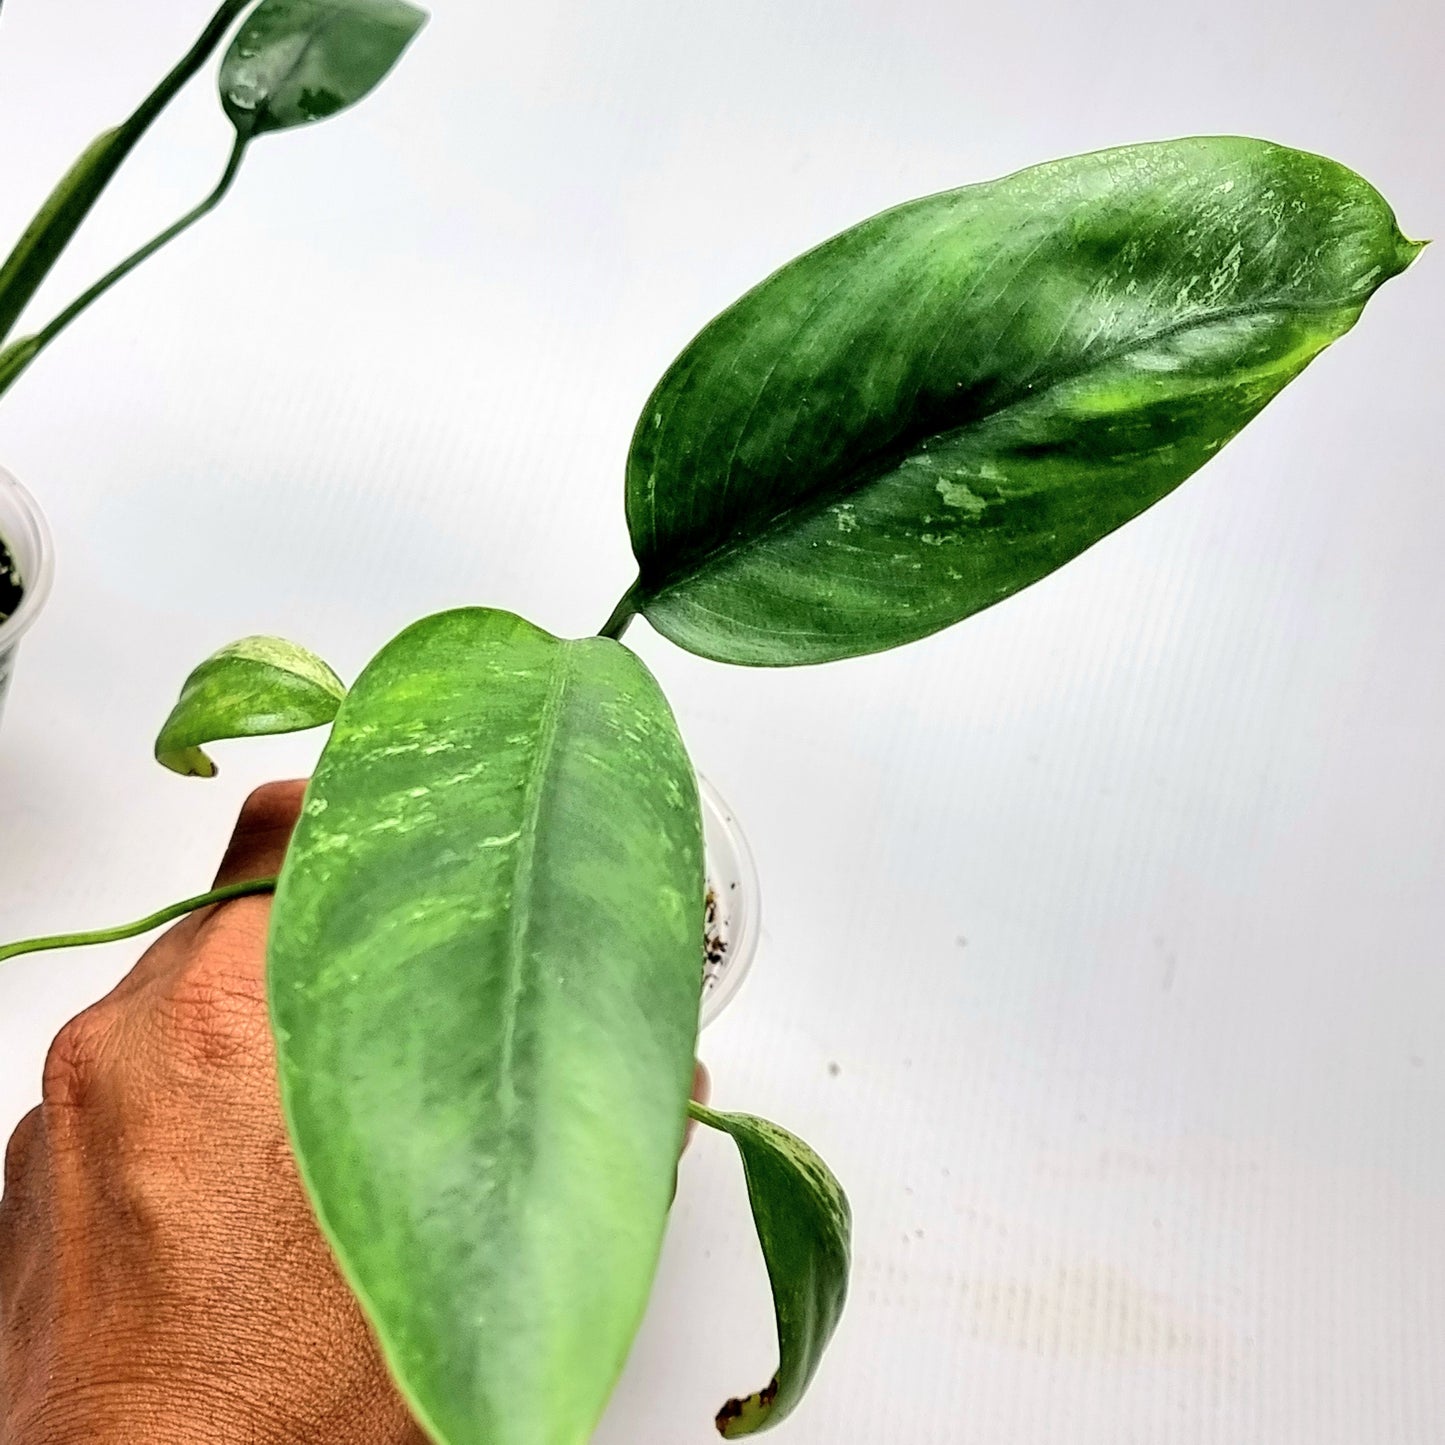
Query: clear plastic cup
(27, 539)
(733, 927)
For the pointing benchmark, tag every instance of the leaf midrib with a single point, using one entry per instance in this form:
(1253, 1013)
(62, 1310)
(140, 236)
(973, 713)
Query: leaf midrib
(521, 911)
(889, 459)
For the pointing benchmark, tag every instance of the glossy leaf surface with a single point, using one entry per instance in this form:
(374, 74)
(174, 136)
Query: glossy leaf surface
(250, 688)
(946, 403)
(297, 61)
(805, 1228)
(484, 975)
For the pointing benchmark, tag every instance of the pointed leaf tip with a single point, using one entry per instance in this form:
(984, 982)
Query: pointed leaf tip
(744, 1417)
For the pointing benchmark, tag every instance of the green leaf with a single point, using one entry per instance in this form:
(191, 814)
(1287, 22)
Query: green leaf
(296, 61)
(946, 403)
(250, 688)
(484, 976)
(805, 1228)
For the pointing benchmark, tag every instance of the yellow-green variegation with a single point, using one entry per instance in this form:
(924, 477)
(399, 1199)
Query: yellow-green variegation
(250, 688)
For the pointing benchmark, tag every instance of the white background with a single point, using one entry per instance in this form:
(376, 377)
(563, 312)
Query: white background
(1118, 909)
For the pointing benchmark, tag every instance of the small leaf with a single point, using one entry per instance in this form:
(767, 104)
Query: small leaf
(946, 403)
(250, 688)
(484, 976)
(805, 1228)
(296, 61)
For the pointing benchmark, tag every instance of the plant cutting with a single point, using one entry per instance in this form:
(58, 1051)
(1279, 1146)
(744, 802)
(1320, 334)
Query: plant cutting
(484, 962)
(290, 63)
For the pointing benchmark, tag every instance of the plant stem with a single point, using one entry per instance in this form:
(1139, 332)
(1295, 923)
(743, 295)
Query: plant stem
(16, 357)
(71, 201)
(143, 925)
(622, 614)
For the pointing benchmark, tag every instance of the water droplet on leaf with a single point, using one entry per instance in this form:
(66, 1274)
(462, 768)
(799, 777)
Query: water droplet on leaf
(246, 91)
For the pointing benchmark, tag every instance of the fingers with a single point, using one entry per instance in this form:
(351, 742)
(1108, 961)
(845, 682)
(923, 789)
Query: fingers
(24, 1181)
(258, 846)
(20, 1154)
(702, 1092)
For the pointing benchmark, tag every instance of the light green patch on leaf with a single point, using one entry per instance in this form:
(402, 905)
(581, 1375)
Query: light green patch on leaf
(961, 495)
(805, 1228)
(250, 688)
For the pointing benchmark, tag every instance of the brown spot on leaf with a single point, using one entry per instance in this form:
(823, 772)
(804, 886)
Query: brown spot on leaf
(749, 1412)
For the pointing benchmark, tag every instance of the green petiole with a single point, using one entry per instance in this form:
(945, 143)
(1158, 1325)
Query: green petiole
(20, 353)
(622, 614)
(147, 924)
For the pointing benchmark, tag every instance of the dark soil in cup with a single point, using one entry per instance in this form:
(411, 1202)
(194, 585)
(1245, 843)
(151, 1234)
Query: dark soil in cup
(10, 589)
(714, 942)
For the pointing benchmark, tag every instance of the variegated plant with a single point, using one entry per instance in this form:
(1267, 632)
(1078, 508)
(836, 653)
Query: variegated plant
(484, 962)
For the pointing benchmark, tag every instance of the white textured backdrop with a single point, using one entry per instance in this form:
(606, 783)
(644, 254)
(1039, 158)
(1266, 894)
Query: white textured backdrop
(1118, 908)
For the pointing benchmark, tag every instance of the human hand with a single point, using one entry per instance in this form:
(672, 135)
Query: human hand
(162, 1279)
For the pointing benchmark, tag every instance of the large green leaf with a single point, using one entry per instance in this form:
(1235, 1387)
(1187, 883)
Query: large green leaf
(248, 689)
(484, 976)
(296, 61)
(805, 1227)
(944, 404)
